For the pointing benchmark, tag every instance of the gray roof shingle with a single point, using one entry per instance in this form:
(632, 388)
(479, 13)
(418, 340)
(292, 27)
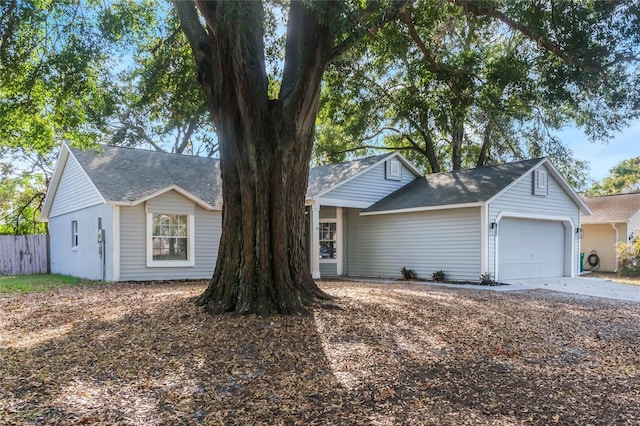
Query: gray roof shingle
(128, 174)
(451, 188)
(612, 208)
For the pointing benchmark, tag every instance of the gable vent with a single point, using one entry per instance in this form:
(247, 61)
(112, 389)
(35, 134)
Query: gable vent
(540, 182)
(393, 169)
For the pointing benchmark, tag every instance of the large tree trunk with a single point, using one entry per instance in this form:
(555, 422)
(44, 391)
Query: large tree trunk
(265, 144)
(262, 265)
(265, 148)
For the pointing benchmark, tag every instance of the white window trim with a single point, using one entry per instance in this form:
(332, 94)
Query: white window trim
(75, 239)
(337, 245)
(171, 263)
(338, 221)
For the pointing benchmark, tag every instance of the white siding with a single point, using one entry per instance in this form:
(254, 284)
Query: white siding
(75, 190)
(170, 202)
(84, 261)
(133, 260)
(328, 270)
(424, 242)
(327, 212)
(370, 186)
(520, 200)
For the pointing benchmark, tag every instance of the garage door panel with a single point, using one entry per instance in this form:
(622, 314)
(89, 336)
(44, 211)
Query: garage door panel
(531, 249)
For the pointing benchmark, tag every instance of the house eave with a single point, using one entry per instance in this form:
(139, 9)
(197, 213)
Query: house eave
(607, 222)
(338, 202)
(199, 201)
(424, 209)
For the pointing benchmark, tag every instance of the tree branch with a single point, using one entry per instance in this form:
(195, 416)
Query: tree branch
(542, 41)
(186, 138)
(392, 13)
(196, 36)
(435, 66)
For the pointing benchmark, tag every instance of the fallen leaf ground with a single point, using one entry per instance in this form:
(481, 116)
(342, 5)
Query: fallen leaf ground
(394, 354)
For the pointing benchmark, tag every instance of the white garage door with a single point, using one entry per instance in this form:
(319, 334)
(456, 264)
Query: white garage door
(530, 249)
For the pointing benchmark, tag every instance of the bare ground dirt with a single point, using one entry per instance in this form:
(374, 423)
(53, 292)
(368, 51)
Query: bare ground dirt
(393, 354)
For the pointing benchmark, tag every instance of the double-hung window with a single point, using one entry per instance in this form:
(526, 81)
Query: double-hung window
(170, 239)
(328, 240)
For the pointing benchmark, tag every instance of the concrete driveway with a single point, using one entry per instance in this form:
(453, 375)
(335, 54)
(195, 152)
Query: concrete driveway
(577, 285)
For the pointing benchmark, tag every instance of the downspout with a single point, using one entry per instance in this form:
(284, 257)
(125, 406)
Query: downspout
(613, 225)
(484, 238)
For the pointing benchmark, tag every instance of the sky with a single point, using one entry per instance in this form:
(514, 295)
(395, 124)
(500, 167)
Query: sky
(603, 156)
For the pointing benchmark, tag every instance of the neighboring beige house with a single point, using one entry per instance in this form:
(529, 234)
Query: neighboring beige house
(614, 219)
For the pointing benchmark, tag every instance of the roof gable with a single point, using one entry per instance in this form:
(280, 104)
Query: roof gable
(464, 187)
(69, 189)
(127, 175)
(612, 208)
(323, 179)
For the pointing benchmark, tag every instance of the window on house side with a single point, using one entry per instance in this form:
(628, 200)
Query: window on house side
(74, 234)
(170, 237)
(328, 240)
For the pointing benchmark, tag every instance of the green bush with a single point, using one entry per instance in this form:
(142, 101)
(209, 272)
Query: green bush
(438, 275)
(629, 259)
(487, 279)
(407, 274)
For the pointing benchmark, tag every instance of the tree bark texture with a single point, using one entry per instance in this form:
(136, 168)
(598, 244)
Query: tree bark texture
(266, 144)
(265, 148)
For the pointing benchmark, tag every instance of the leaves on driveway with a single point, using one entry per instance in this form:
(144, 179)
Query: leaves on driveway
(135, 353)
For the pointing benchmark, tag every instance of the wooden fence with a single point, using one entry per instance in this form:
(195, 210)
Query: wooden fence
(23, 254)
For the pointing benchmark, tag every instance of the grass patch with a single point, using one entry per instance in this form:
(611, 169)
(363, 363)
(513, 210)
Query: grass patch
(31, 283)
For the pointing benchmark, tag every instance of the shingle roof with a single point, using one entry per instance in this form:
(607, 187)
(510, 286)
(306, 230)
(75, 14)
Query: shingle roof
(325, 177)
(128, 174)
(612, 208)
(451, 188)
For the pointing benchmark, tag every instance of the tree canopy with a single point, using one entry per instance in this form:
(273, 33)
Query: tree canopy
(624, 178)
(86, 73)
(463, 84)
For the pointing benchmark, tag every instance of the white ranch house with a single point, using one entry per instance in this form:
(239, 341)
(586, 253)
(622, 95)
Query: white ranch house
(125, 214)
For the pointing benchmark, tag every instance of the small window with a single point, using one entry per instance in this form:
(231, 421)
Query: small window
(170, 240)
(393, 169)
(328, 240)
(540, 182)
(74, 234)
